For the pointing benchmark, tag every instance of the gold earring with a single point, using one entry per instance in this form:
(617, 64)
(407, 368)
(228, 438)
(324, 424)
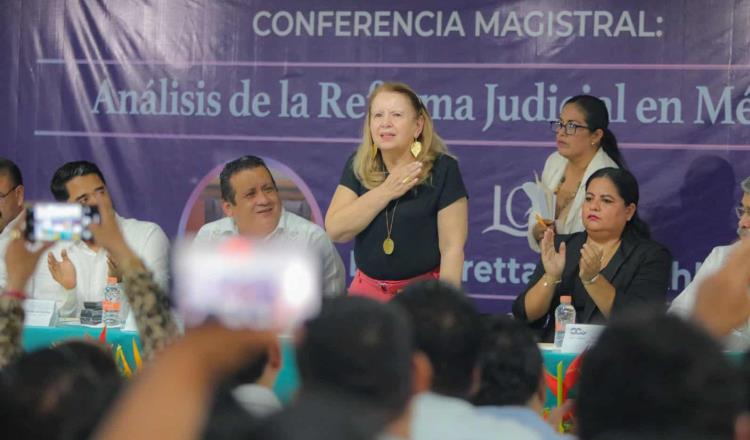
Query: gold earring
(416, 148)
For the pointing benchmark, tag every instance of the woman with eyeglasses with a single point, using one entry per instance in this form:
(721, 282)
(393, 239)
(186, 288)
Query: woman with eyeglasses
(401, 198)
(584, 144)
(611, 267)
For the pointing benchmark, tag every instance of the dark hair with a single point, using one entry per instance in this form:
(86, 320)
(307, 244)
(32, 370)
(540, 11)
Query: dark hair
(359, 347)
(68, 172)
(59, 392)
(627, 188)
(651, 374)
(231, 168)
(448, 329)
(597, 117)
(511, 364)
(8, 167)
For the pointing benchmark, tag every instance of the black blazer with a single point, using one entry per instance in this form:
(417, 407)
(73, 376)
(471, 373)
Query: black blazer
(639, 271)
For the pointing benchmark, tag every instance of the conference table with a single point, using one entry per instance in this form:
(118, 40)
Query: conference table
(286, 384)
(288, 380)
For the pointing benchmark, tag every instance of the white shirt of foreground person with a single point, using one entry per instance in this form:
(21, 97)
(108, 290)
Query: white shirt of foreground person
(5, 238)
(683, 304)
(297, 231)
(438, 417)
(148, 241)
(554, 170)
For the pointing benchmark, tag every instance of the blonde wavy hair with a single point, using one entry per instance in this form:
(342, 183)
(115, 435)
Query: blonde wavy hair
(369, 168)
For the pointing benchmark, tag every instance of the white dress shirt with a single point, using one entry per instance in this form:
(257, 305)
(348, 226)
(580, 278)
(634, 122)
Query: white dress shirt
(437, 417)
(146, 239)
(293, 229)
(5, 238)
(683, 304)
(554, 170)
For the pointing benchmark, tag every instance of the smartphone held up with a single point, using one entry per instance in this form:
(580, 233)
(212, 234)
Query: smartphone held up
(246, 284)
(53, 221)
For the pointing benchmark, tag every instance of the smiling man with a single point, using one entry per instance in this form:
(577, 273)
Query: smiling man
(684, 303)
(77, 271)
(253, 209)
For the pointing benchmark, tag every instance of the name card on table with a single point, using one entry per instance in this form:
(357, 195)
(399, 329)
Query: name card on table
(40, 312)
(579, 337)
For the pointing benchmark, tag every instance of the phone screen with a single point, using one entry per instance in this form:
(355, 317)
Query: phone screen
(246, 284)
(60, 221)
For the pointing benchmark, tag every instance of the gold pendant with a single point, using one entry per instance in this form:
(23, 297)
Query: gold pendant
(388, 246)
(416, 148)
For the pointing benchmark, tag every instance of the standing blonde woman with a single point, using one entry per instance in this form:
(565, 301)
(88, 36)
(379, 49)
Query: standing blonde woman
(401, 198)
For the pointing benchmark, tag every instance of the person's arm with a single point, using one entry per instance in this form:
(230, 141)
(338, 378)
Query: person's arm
(650, 281)
(537, 300)
(333, 271)
(349, 214)
(722, 301)
(20, 264)
(148, 301)
(182, 382)
(683, 303)
(453, 227)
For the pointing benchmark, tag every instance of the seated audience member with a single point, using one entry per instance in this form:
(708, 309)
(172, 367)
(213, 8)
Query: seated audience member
(11, 205)
(357, 350)
(610, 267)
(512, 385)
(739, 338)
(656, 377)
(80, 274)
(253, 209)
(449, 333)
(58, 393)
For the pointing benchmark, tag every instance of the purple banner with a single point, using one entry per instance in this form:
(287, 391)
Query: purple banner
(161, 93)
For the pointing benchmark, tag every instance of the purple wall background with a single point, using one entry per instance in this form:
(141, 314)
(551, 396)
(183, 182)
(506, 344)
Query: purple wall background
(688, 58)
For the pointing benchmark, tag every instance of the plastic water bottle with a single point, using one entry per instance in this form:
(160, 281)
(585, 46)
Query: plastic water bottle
(565, 314)
(112, 303)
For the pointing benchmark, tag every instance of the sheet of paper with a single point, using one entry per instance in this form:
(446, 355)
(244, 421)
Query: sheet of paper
(543, 200)
(579, 337)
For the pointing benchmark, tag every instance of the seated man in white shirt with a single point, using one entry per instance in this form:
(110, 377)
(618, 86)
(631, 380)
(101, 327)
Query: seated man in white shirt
(449, 332)
(253, 208)
(77, 271)
(684, 303)
(11, 205)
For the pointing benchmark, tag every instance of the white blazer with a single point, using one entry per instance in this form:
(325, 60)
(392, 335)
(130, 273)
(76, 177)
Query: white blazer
(554, 170)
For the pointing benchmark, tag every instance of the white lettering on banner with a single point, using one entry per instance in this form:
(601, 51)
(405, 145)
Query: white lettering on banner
(516, 229)
(723, 106)
(437, 23)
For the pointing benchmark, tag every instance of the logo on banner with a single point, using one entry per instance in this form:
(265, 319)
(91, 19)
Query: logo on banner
(513, 227)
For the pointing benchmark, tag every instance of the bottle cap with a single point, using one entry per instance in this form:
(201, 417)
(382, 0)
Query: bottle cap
(565, 299)
(111, 280)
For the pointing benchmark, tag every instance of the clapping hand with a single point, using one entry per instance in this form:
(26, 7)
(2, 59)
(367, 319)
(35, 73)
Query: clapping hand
(63, 270)
(553, 261)
(591, 261)
(402, 178)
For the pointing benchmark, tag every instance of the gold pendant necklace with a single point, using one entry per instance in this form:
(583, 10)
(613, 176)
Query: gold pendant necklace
(388, 244)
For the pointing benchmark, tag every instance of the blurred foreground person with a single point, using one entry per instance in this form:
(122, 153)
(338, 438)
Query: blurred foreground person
(657, 377)
(449, 334)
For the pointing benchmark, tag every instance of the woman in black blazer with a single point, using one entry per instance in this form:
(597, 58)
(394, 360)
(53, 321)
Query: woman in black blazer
(610, 267)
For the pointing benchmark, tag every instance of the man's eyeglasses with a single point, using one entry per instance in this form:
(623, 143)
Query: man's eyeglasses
(2, 196)
(570, 126)
(741, 211)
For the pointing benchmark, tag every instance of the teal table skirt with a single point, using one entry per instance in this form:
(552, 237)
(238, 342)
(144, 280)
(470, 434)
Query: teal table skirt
(35, 338)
